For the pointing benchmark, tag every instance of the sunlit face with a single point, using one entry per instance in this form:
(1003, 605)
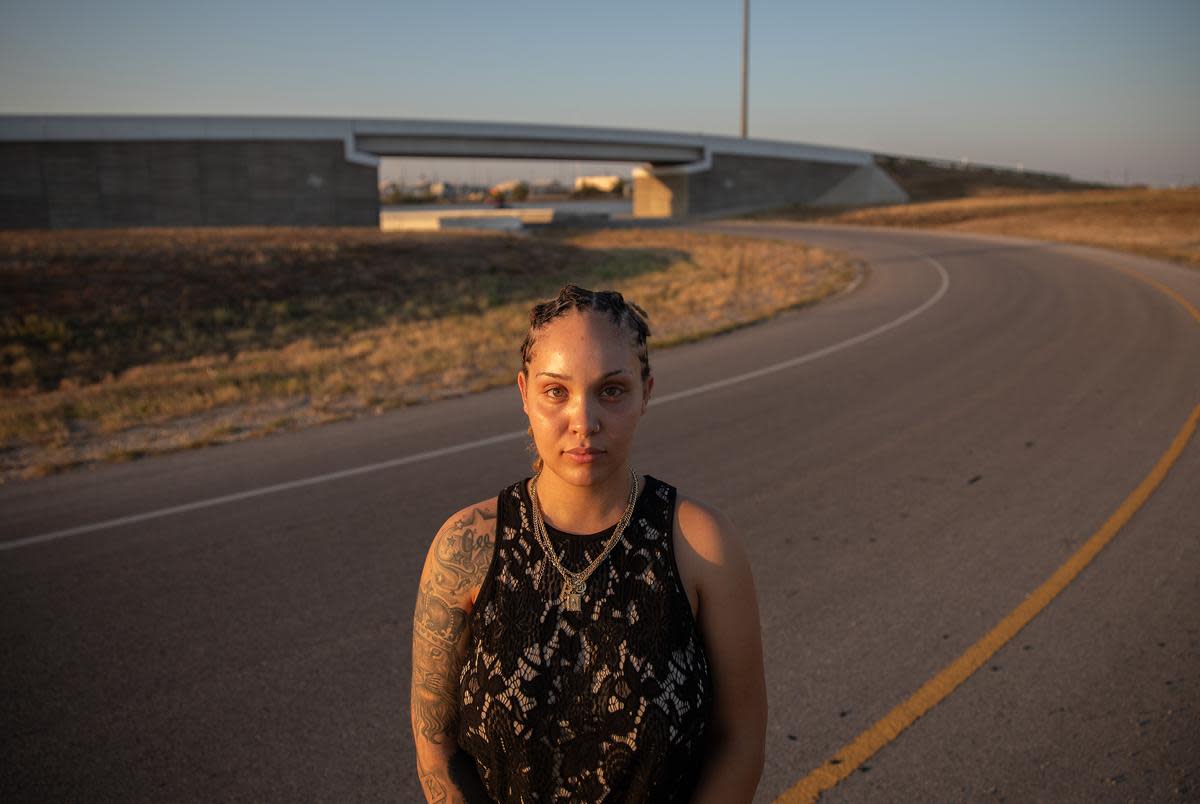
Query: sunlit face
(584, 396)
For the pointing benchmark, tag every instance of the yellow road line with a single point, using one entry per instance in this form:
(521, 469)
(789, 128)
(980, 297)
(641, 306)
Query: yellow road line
(1174, 294)
(889, 727)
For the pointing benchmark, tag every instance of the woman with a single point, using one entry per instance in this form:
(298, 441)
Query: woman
(587, 635)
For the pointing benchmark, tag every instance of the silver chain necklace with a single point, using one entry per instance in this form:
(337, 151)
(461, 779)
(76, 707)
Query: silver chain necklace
(575, 583)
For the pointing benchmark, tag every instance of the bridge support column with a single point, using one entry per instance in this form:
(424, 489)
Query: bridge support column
(659, 195)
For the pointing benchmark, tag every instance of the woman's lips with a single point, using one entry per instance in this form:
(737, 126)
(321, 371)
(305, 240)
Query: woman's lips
(581, 455)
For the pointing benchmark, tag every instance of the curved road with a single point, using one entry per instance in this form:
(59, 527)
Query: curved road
(911, 461)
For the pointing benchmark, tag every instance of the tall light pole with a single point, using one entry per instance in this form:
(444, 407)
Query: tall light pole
(745, 64)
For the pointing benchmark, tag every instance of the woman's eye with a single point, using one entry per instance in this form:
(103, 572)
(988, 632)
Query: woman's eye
(612, 391)
(555, 392)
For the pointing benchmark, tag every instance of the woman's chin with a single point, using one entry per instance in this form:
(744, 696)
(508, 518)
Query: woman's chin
(583, 473)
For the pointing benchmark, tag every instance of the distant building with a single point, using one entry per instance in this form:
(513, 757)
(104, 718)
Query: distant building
(605, 184)
(505, 187)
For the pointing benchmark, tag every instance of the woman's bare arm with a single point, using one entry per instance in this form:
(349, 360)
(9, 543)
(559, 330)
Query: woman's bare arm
(455, 567)
(711, 555)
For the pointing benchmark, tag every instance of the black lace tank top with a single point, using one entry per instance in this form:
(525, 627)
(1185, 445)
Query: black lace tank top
(608, 704)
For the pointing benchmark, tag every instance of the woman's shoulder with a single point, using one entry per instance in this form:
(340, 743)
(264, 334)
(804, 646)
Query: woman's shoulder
(475, 518)
(712, 562)
(461, 552)
(705, 533)
(479, 519)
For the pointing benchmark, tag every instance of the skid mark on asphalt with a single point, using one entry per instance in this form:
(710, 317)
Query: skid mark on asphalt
(845, 761)
(512, 435)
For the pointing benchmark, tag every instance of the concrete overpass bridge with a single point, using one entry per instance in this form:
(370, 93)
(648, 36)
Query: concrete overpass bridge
(90, 171)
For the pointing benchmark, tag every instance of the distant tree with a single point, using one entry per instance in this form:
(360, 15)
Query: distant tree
(520, 192)
(619, 188)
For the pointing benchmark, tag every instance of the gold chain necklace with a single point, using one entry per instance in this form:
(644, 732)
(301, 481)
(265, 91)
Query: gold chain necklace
(574, 583)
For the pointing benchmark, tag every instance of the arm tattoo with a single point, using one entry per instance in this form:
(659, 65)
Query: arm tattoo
(435, 791)
(434, 691)
(457, 782)
(463, 551)
(436, 620)
(460, 557)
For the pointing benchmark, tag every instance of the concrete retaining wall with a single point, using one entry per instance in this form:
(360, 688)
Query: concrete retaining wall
(741, 183)
(184, 183)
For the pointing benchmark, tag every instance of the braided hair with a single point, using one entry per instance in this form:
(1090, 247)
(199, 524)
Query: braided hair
(627, 315)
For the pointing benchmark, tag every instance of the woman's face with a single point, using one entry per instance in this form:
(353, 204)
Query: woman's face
(584, 396)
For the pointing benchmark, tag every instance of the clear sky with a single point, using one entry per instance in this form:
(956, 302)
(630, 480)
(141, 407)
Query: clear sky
(1095, 88)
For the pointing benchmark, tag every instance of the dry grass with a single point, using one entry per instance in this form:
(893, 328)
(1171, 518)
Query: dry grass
(117, 345)
(926, 180)
(1156, 223)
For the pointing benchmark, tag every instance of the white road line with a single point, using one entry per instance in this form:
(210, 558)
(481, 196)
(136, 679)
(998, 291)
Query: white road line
(482, 442)
(262, 491)
(828, 350)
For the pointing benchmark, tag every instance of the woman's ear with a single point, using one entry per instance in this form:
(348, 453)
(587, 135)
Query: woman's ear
(524, 391)
(646, 389)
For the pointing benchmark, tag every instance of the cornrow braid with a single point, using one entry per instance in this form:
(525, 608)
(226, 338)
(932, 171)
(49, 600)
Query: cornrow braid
(627, 315)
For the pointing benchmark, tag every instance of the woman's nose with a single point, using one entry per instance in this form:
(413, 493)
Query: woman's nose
(584, 420)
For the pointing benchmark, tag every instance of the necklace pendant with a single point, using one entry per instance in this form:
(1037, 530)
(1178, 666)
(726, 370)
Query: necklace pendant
(572, 595)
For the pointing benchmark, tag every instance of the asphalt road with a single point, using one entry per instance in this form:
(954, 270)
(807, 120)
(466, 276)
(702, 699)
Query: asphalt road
(952, 432)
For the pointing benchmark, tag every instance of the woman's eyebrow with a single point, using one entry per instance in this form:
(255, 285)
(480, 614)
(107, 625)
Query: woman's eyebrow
(557, 376)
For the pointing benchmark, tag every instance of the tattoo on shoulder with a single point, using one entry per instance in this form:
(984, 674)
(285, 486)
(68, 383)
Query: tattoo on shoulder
(463, 551)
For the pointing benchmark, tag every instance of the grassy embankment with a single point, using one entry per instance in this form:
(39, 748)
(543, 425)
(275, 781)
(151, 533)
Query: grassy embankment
(118, 344)
(1155, 223)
